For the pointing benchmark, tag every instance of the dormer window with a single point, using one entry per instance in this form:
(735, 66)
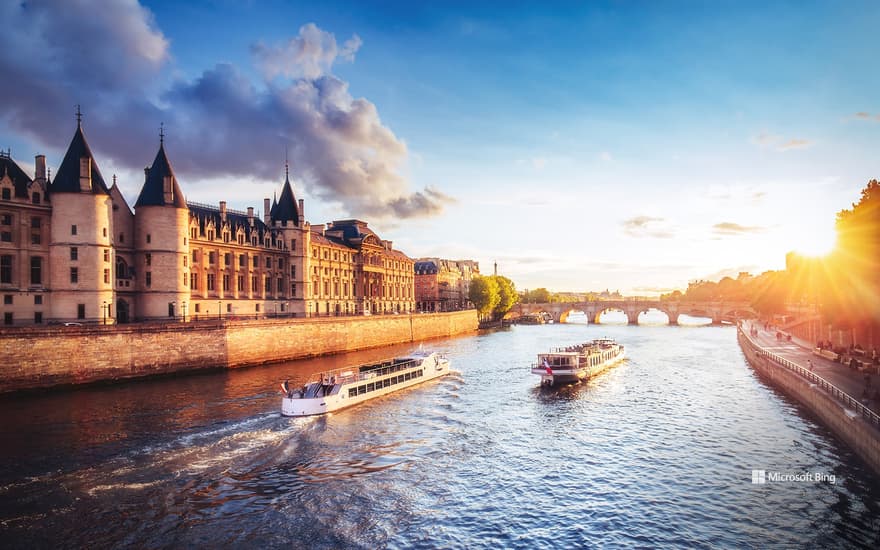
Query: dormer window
(35, 198)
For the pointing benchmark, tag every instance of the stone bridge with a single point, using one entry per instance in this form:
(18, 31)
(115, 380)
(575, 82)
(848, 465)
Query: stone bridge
(717, 311)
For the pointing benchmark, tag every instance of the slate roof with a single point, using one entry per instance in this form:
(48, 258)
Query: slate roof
(285, 209)
(425, 268)
(20, 180)
(67, 177)
(205, 214)
(153, 191)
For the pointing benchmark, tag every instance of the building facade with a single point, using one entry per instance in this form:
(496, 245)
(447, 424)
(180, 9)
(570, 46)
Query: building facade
(442, 285)
(72, 250)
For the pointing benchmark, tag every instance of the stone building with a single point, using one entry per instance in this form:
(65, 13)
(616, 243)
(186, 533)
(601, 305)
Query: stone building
(442, 285)
(72, 250)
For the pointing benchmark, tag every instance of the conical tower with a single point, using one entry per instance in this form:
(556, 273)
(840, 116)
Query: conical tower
(80, 248)
(161, 242)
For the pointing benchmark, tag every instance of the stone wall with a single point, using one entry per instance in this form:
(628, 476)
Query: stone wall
(40, 357)
(848, 426)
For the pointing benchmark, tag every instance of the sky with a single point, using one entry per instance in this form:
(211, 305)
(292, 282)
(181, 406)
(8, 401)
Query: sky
(632, 146)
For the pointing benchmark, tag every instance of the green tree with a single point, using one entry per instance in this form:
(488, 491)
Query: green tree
(538, 296)
(770, 293)
(507, 296)
(483, 293)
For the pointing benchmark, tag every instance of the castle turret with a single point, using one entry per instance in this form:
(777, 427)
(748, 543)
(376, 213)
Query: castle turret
(80, 246)
(161, 243)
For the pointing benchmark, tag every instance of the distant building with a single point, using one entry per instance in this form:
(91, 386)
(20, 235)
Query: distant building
(71, 249)
(442, 285)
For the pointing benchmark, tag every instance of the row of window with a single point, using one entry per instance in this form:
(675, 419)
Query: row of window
(6, 270)
(7, 299)
(242, 259)
(390, 381)
(6, 194)
(268, 242)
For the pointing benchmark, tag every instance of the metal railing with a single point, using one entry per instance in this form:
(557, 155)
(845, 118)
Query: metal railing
(841, 396)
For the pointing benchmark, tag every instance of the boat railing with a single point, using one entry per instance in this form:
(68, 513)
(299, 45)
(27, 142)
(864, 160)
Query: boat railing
(347, 375)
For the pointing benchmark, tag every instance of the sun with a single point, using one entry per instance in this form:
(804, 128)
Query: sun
(817, 239)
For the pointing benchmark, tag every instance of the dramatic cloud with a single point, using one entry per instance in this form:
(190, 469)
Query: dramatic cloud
(220, 123)
(730, 228)
(647, 226)
(309, 55)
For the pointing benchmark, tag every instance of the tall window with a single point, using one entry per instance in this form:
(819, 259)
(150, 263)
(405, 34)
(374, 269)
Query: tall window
(107, 276)
(73, 230)
(149, 279)
(148, 258)
(227, 259)
(74, 253)
(74, 274)
(241, 283)
(6, 269)
(210, 281)
(35, 223)
(107, 255)
(212, 256)
(194, 281)
(80, 311)
(36, 270)
(225, 282)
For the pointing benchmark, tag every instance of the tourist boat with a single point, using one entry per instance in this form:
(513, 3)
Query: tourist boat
(578, 362)
(340, 388)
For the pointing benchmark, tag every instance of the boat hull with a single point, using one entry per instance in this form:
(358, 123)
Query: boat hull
(571, 376)
(352, 393)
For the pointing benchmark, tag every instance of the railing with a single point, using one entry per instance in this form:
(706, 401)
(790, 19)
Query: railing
(841, 396)
(345, 375)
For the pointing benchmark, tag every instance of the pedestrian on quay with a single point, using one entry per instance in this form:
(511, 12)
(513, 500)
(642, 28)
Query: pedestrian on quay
(810, 362)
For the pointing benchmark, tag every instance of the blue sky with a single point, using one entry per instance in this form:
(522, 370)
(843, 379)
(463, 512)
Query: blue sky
(622, 145)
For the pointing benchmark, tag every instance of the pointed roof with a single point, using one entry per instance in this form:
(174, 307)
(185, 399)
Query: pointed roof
(153, 191)
(285, 209)
(67, 177)
(20, 180)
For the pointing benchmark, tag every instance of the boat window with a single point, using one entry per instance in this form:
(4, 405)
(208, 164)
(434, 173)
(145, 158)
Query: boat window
(352, 392)
(386, 383)
(362, 390)
(371, 387)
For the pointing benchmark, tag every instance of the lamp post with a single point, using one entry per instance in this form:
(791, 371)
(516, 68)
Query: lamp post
(183, 309)
(218, 310)
(104, 310)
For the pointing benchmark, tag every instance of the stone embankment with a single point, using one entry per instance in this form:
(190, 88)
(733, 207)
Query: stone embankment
(41, 357)
(851, 420)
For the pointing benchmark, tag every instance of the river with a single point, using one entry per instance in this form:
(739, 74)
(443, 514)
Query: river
(659, 451)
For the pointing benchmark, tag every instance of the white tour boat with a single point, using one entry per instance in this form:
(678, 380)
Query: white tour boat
(579, 362)
(340, 388)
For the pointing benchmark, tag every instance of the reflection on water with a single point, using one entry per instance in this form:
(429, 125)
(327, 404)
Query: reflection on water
(655, 452)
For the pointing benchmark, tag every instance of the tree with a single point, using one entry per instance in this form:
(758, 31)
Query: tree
(770, 293)
(851, 292)
(507, 296)
(538, 296)
(483, 293)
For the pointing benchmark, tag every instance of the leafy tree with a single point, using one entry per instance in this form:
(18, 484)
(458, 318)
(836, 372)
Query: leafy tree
(851, 290)
(507, 296)
(538, 296)
(770, 293)
(483, 293)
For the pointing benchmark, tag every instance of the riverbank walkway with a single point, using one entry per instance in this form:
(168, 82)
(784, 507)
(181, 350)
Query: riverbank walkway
(865, 387)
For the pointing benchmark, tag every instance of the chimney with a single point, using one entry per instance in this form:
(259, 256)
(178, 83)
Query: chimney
(302, 214)
(266, 206)
(85, 174)
(251, 215)
(167, 190)
(223, 210)
(40, 168)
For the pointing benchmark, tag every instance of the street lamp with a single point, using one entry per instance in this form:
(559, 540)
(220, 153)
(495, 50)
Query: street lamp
(218, 310)
(183, 309)
(104, 310)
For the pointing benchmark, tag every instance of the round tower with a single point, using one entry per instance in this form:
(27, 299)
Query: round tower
(162, 244)
(80, 265)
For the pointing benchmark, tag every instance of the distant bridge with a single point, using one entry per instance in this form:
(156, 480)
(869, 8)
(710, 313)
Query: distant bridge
(717, 311)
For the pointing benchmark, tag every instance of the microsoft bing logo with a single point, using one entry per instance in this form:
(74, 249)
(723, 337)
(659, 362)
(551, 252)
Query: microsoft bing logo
(759, 477)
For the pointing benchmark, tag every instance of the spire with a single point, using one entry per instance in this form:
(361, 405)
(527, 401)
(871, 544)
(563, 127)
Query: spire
(79, 166)
(160, 184)
(161, 134)
(285, 208)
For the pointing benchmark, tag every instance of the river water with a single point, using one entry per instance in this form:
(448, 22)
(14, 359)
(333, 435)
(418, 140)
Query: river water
(659, 451)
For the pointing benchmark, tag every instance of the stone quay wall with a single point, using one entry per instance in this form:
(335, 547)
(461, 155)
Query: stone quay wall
(41, 357)
(850, 421)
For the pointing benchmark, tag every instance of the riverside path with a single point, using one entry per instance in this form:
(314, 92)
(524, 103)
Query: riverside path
(858, 384)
